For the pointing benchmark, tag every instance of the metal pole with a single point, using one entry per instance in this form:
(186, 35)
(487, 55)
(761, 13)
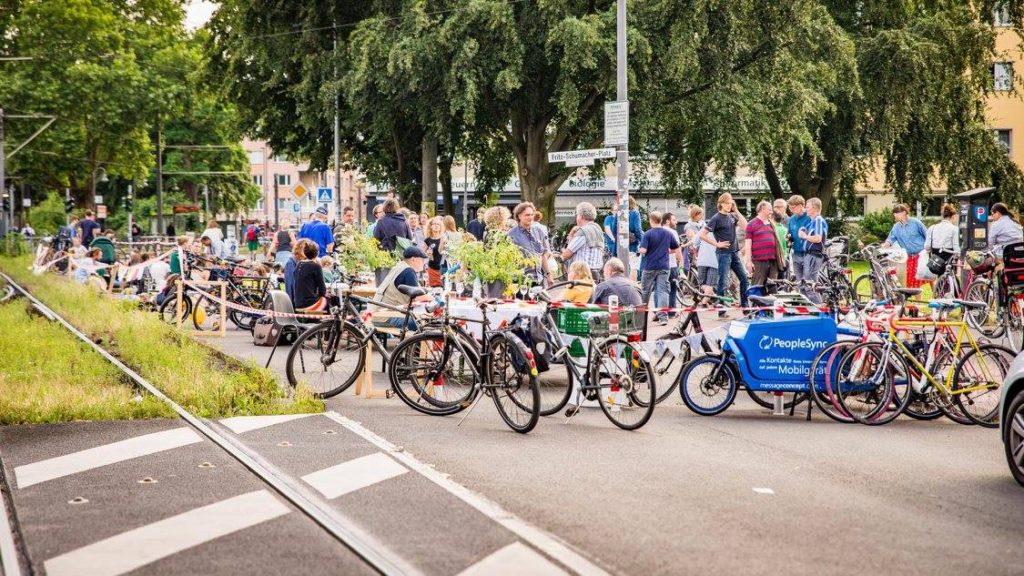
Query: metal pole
(3, 170)
(160, 230)
(622, 156)
(465, 192)
(337, 136)
(131, 218)
(67, 213)
(206, 200)
(277, 220)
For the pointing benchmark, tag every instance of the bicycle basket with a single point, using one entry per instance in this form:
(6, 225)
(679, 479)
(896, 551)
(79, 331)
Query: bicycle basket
(980, 263)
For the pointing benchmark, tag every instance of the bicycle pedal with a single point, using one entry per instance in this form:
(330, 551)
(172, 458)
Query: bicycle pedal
(388, 394)
(572, 411)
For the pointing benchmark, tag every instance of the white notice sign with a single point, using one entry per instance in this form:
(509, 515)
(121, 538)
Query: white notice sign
(581, 157)
(616, 123)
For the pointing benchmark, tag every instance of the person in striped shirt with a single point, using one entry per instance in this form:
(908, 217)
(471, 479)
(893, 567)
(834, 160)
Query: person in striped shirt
(813, 238)
(760, 245)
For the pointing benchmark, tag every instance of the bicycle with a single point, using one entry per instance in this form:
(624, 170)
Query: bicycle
(873, 370)
(444, 370)
(880, 283)
(331, 354)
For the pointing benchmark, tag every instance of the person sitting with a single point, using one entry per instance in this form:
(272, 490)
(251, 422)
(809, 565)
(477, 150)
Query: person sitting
(331, 274)
(402, 275)
(617, 284)
(86, 266)
(580, 292)
(298, 255)
(308, 281)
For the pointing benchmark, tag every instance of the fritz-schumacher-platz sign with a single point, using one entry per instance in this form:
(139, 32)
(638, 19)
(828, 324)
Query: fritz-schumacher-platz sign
(581, 157)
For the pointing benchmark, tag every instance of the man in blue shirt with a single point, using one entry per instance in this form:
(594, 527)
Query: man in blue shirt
(318, 231)
(910, 234)
(636, 230)
(656, 245)
(798, 219)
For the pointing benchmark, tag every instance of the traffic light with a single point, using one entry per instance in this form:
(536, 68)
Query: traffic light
(126, 202)
(69, 205)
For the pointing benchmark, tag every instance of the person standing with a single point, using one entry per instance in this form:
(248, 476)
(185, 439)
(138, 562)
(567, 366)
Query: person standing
(317, 231)
(943, 237)
(531, 240)
(435, 245)
(722, 226)
(476, 226)
(538, 219)
(89, 226)
(779, 211)
(585, 243)
(213, 231)
(136, 232)
(252, 238)
(1003, 230)
(378, 213)
(781, 233)
(348, 221)
(798, 219)
(675, 260)
(761, 246)
(692, 231)
(170, 229)
(636, 232)
(910, 234)
(417, 231)
(813, 237)
(281, 247)
(655, 246)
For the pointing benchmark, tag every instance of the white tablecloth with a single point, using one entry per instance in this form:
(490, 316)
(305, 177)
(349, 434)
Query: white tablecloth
(504, 313)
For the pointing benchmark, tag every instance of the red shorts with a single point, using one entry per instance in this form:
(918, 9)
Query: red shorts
(433, 278)
(912, 281)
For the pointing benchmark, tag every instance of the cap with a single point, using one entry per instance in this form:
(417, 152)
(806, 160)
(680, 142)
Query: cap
(413, 252)
(322, 211)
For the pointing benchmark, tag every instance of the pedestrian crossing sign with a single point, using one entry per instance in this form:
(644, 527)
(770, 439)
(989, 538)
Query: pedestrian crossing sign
(324, 195)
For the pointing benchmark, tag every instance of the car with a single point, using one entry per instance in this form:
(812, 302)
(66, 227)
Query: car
(1011, 418)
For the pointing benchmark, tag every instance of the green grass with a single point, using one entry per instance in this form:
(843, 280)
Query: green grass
(188, 372)
(49, 375)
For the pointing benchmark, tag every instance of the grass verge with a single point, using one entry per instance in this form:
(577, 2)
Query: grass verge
(186, 371)
(48, 375)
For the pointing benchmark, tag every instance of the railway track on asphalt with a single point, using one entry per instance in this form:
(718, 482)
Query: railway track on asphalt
(376, 557)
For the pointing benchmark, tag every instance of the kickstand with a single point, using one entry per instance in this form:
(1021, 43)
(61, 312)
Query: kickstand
(810, 405)
(476, 400)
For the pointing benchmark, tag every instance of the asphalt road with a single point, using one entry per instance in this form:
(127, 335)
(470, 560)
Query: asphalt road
(743, 492)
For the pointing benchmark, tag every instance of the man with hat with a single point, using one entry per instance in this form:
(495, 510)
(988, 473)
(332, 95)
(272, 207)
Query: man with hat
(405, 273)
(318, 231)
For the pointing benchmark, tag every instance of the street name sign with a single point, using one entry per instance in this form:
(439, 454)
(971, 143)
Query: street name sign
(581, 157)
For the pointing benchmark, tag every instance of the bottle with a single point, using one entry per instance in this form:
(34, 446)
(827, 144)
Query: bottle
(613, 313)
(477, 290)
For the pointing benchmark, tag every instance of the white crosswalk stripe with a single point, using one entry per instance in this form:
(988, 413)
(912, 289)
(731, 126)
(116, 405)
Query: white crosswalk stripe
(516, 559)
(141, 546)
(92, 458)
(354, 475)
(241, 424)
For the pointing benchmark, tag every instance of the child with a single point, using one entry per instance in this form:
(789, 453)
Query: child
(330, 274)
(584, 289)
(87, 265)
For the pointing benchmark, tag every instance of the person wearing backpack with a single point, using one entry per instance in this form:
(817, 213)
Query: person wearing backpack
(252, 238)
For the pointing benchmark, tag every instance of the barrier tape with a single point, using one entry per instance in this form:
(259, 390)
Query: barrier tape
(250, 310)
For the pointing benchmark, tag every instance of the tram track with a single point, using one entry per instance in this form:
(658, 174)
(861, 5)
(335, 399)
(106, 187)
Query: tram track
(376, 556)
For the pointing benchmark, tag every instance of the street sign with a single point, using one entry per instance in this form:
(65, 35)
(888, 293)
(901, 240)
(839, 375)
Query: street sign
(98, 199)
(296, 207)
(299, 190)
(101, 211)
(325, 195)
(616, 123)
(26, 202)
(581, 157)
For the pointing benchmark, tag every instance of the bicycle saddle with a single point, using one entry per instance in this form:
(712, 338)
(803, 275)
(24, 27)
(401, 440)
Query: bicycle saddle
(908, 291)
(762, 300)
(412, 291)
(971, 305)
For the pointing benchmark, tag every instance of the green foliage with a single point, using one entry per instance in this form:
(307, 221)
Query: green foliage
(48, 216)
(496, 259)
(188, 372)
(14, 244)
(358, 253)
(877, 225)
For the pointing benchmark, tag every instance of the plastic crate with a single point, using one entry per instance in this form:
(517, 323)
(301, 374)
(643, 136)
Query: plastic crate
(572, 321)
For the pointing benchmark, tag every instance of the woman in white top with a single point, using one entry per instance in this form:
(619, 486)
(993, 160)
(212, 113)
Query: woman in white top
(692, 231)
(943, 238)
(213, 231)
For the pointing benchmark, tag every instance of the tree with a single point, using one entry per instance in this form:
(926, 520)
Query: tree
(911, 107)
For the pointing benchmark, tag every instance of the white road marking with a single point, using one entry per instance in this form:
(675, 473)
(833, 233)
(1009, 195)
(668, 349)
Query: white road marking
(354, 475)
(136, 548)
(9, 565)
(513, 560)
(240, 424)
(100, 456)
(539, 539)
(760, 490)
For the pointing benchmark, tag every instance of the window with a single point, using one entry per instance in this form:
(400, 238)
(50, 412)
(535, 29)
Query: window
(933, 206)
(282, 204)
(256, 157)
(284, 179)
(257, 179)
(279, 158)
(1002, 76)
(259, 204)
(1003, 138)
(1001, 16)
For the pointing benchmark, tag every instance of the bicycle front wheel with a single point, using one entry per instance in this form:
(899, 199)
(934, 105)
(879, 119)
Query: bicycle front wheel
(823, 376)
(976, 383)
(625, 382)
(327, 358)
(866, 389)
(984, 320)
(169, 308)
(434, 374)
(512, 379)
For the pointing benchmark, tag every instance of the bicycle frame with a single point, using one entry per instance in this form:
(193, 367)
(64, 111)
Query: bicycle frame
(962, 330)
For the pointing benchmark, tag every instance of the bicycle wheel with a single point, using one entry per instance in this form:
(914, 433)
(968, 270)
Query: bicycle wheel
(866, 392)
(1013, 320)
(985, 320)
(169, 309)
(433, 374)
(512, 381)
(328, 359)
(663, 365)
(707, 385)
(865, 289)
(976, 383)
(824, 369)
(624, 381)
(940, 370)
(206, 314)
(555, 385)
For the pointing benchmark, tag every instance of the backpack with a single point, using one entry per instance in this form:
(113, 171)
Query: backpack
(250, 236)
(531, 332)
(63, 240)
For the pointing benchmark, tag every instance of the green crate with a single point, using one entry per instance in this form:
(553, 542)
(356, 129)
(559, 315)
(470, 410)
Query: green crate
(571, 321)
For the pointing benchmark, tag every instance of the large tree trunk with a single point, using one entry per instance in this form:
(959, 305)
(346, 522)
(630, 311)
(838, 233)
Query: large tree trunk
(772, 176)
(538, 185)
(444, 162)
(428, 196)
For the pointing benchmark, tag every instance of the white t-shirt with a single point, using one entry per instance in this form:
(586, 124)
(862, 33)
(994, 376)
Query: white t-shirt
(673, 263)
(159, 271)
(213, 233)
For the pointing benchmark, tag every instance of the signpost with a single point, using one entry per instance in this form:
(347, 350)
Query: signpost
(324, 195)
(576, 158)
(299, 190)
(616, 123)
(101, 211)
